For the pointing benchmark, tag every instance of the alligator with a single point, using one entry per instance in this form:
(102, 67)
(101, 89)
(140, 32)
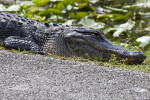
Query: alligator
(18, 32)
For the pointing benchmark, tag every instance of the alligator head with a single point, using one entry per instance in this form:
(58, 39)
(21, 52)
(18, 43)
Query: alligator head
(93, 43)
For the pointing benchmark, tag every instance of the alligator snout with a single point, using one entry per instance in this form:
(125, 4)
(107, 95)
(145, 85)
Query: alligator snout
(121, 53)
(138, 55)
(130, 57)
(134, 57)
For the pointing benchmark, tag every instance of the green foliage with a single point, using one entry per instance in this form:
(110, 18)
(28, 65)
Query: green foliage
(78, 15)
(40, 2)
(10, 8)
(119, 29)
(117, 10)
(90, 23)
(144, 41)
(120, 20)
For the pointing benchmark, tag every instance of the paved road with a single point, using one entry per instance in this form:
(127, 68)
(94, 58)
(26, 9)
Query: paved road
(30, 77)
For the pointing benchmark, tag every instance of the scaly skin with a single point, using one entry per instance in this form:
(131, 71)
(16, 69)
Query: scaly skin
(23, 33)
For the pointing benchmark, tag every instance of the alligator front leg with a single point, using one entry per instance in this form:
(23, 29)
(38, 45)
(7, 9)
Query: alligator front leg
(17, 42)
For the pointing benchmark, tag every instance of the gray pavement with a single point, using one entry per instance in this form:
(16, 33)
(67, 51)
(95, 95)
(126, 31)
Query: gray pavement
(32, 77)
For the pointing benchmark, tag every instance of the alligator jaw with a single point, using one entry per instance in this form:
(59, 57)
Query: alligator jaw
(106, 48)
(131, 57)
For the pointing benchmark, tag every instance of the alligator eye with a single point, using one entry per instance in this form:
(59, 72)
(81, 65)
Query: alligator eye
(96, 34)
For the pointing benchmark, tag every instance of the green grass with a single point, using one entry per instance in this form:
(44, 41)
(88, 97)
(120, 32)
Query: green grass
(144, 67)
(113, 63)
